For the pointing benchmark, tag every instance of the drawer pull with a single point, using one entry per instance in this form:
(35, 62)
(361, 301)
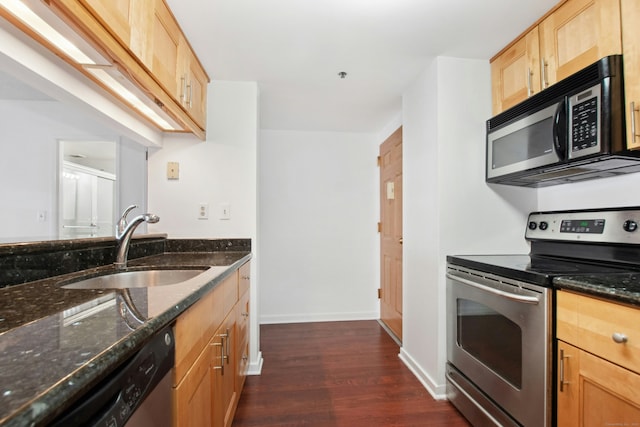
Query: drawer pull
(619, 338)
(562, 381)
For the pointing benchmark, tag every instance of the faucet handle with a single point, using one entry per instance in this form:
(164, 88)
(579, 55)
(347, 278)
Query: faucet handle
(122, 223)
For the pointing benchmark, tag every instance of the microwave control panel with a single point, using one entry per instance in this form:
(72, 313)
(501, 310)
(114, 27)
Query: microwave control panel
(584, 122)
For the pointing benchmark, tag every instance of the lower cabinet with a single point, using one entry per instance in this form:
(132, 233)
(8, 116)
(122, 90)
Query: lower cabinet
(595, 392)
(193, 396)
(225, 394)
(598, 358)
(212, 354)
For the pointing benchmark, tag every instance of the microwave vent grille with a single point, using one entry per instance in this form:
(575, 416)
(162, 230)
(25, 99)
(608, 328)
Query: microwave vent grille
(605, 67)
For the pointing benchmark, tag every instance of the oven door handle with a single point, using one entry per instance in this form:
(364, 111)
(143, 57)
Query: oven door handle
(514, 297)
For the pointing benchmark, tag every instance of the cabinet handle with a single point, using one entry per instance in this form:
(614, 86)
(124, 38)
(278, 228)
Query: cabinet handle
(529, 84)
(189, 95)
(226, 343)
(245, 314)
(562, 380)
(183, 92)
(619, 337)
(633, 122)
(543, 72)
(221, 367)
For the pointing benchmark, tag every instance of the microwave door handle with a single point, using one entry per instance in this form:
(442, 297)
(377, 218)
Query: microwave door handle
(560, 130)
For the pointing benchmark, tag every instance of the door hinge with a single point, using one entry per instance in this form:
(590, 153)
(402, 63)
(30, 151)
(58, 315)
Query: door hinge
(379, 160)
(379, 293)
(379, 227)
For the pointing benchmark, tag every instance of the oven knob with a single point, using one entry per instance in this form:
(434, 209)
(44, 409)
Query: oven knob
(544, 225)
(532, 225)
(630, 225)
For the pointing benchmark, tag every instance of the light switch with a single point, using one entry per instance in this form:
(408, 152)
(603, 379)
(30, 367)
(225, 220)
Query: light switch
(391, 190)
(225, 211)
(173, 170)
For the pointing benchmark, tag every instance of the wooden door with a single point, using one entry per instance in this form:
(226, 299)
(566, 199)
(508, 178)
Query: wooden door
(577, 34)
(391, 232)
(515, 72)
(630, 10)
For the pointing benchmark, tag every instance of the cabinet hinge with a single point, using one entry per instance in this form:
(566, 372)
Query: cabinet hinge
(379, 160)
(379, 227)
(379, 293)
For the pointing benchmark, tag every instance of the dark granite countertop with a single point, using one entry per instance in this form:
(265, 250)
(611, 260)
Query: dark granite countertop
(55, 343)
(620, 287)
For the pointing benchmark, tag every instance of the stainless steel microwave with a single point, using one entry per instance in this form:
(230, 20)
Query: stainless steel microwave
(572, 131)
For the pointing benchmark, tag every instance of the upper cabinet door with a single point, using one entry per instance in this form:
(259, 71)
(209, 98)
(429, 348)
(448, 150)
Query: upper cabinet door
(115, 15)
(193, 84)
(577, 34)
(631, 45)
(166, 46)
(515, 73)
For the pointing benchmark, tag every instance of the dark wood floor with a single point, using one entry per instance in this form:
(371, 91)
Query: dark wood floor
(336, 374)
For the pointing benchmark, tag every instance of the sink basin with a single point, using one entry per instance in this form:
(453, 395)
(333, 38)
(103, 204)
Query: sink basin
(135, 279)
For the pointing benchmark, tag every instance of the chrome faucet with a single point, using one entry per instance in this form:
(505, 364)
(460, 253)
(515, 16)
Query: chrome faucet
(125, 230)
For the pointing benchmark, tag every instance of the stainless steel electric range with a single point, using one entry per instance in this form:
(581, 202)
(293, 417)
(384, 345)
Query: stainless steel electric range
(500, 311)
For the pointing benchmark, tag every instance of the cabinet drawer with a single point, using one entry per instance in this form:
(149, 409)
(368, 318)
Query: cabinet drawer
(591, 324)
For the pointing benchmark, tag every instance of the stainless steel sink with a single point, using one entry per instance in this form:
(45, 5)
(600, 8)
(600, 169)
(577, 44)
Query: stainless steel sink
(135, 279)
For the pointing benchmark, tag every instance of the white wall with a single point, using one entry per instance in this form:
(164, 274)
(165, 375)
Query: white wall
(600, 193)
(318, 210)
(221, 169)
(448, 208)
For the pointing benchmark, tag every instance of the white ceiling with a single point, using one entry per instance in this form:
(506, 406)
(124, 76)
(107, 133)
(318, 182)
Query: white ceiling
(294, 49)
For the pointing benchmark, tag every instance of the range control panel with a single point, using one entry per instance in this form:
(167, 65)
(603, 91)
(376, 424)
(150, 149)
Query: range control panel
(617, 225)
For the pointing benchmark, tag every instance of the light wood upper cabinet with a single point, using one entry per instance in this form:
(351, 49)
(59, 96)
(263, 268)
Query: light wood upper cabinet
(142, 43)
(193, 84)
(573, 35)
(598, 362)
(515, 73)
(166, 42)
(114, 14)
(176, 65)
(630, 10)
(576, 35)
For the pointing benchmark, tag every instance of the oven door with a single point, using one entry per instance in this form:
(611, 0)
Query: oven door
(498, 339)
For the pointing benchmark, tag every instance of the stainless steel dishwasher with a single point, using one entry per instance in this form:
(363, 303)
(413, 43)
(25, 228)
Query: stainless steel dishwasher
(137, 393)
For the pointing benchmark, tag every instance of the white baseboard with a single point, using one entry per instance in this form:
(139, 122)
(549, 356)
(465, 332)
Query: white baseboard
(255, 368)
(317, 317)
(437, 391)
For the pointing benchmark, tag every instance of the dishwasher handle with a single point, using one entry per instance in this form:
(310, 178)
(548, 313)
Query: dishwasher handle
(514, 297)
(115, 399)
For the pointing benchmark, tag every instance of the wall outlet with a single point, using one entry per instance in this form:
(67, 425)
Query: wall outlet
(203, 211)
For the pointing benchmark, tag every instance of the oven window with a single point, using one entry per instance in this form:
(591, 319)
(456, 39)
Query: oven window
(492, 339)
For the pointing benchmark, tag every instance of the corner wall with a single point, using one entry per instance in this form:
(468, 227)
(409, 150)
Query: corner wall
(449, 209)
(220, 170)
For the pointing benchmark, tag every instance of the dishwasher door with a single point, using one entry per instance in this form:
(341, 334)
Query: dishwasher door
(137, 393)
